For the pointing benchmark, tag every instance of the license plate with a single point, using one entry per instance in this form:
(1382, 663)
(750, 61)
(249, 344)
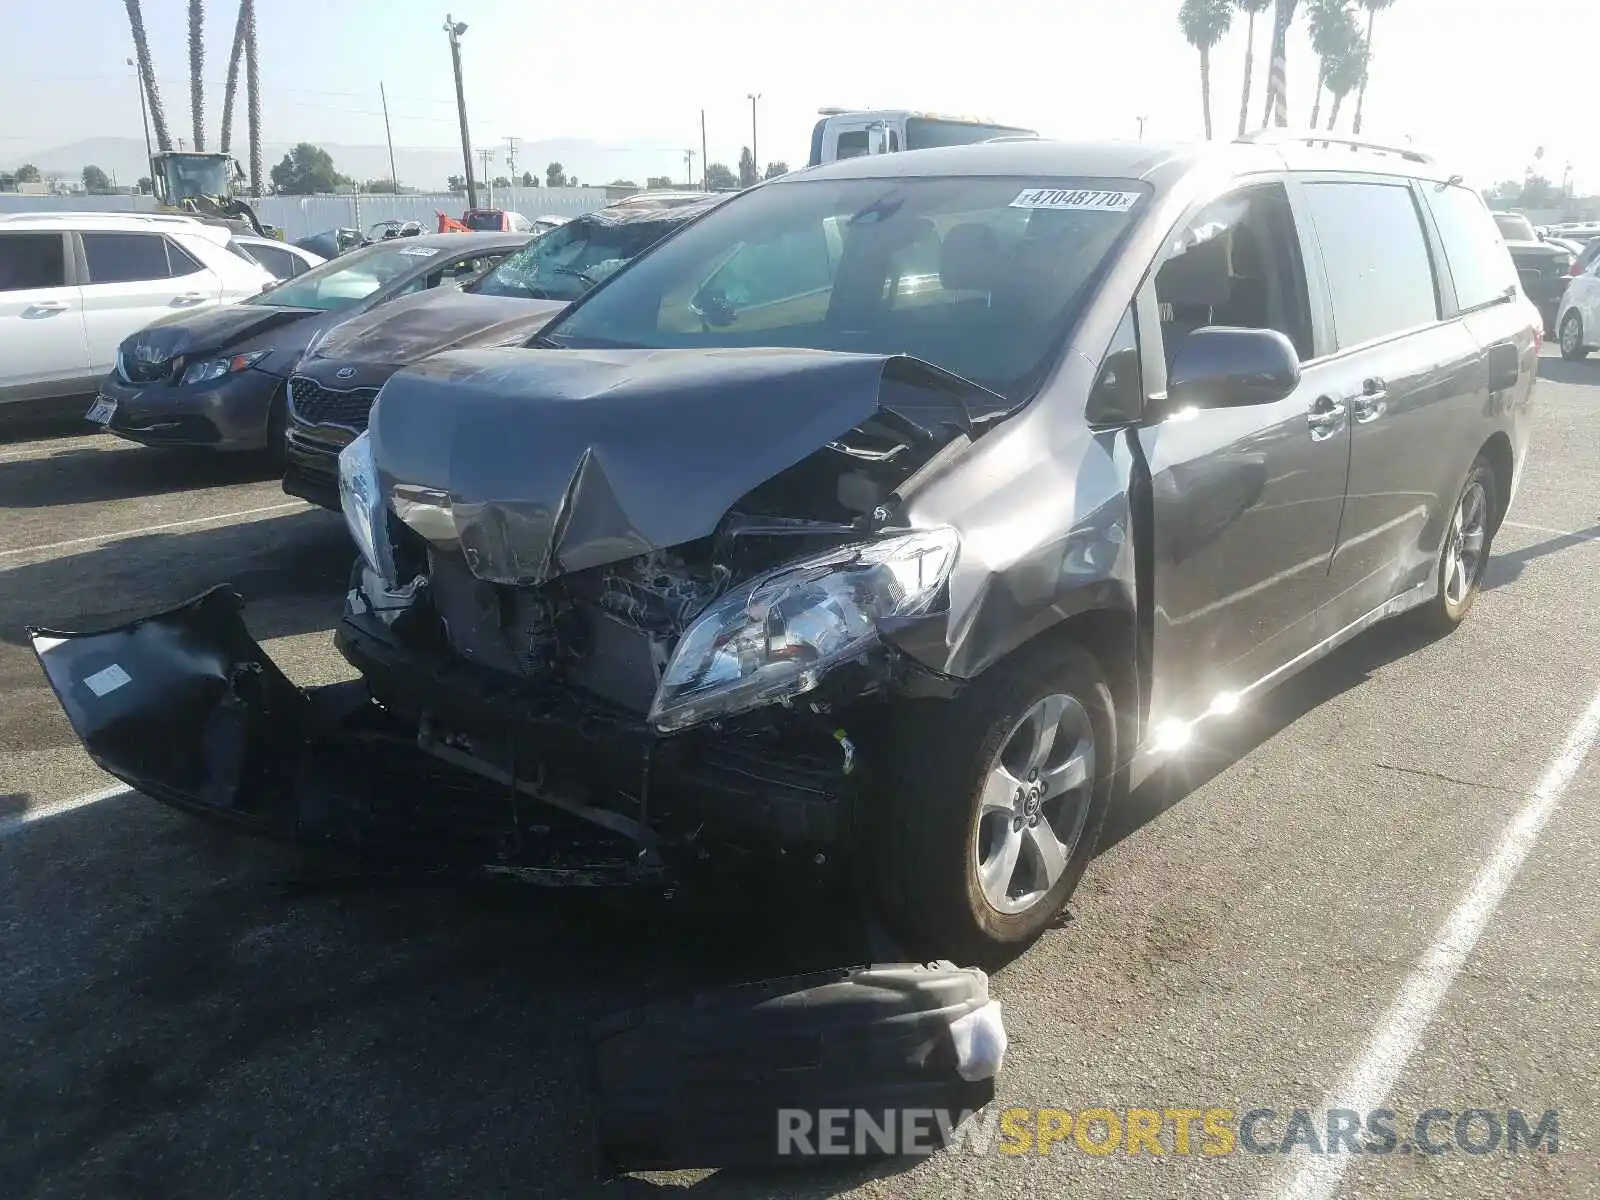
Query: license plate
(102, 410)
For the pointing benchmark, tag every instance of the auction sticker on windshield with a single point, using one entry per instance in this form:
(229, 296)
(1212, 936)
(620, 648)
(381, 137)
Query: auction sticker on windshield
(420, 251)
(1076, 200)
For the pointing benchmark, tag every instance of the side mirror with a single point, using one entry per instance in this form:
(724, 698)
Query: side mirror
(270, 284)
(877, 139)
(1232, 368)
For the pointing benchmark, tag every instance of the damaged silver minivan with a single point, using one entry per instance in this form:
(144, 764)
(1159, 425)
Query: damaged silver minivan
(899, 513)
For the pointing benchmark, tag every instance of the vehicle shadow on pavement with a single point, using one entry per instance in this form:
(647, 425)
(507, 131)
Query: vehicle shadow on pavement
(1254, 724)
(189, 1015)
(1506, 566)
(95, 473)
(293, 569)
(1559, 370)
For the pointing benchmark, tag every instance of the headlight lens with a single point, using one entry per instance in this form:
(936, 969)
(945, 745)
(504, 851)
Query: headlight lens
(216, 368)
(362, 502)
(778, 636)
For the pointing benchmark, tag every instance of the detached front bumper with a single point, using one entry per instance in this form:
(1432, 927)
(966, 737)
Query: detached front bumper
(428, 760)
(229, 413)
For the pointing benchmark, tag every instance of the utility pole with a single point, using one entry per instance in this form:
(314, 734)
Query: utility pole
(755, 157)
(149, 154)
(486, 155)
(511, 158)
(455, 29)
(705, 162)
(688, 168)
(1141, 121)
(394, 180)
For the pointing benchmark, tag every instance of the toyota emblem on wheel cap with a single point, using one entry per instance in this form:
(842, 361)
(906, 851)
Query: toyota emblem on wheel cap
(345, 373)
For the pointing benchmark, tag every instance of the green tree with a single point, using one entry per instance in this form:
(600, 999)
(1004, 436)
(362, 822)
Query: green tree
(719, 177)
(747, 167)
(1333, 24)
(1373, 7)
(658, 181)
(197, 66)
(379, 187)
(96, 182)
(456, 183)
(305, 170)
(554, 176)
(774, 169)
(146, 185)
(28, 173)
(528, 180)
(1250, 8)
(147, 75)
(1204, 22)
(8, 181)
(622, 183)
(1346, 69)
(500, 181)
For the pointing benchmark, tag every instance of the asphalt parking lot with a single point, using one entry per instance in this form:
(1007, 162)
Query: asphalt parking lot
(1290, 920)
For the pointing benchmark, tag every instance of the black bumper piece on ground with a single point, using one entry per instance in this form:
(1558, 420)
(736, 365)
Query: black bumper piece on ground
(185, 707)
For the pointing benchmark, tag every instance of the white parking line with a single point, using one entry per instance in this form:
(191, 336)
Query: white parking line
(11, 825)
(1396, 1037)
(1566, 533)
(111, 537)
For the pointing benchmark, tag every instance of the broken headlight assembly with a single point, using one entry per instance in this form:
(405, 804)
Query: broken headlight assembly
(777, 636)
(361, 500)
(216, 368)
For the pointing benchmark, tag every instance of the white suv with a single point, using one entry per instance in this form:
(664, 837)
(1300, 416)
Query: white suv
(74, 285)
(1578, 325)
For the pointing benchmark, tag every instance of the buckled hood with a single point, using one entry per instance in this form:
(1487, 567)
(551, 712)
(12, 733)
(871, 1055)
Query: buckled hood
(552, 461)
(414, 327)
(226, 329)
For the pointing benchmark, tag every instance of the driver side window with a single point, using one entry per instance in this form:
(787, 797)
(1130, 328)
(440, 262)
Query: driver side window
(1236, 264)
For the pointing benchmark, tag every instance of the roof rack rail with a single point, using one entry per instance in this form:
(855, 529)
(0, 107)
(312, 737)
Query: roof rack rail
(1272, 136)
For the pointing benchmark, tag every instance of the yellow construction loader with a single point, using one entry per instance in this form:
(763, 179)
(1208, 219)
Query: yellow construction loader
(205, 186)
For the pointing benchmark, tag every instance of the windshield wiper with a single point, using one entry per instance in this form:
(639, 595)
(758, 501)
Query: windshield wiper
(579, 275)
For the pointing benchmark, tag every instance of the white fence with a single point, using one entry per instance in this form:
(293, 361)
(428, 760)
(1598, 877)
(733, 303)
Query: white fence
(300, 216)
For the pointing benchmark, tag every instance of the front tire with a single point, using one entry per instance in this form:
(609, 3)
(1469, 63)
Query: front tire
(278, 429)
(996, 803)
(1572, 348)
(1465, 551)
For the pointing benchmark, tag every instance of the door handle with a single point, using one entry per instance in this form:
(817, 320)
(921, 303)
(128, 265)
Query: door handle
(1371, 402)
(189, 298)
(1326, 418)
(48, 306)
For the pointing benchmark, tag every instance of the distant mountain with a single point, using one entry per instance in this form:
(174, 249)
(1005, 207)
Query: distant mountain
(124, 159)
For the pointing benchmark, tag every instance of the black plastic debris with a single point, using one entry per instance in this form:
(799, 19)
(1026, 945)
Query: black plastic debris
(864, 1062)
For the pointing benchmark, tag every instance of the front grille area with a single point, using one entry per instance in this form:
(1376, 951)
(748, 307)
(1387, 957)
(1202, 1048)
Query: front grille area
(317, 405)
(135, 371)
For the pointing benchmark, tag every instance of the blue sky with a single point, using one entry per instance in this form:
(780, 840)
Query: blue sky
(1480, 81)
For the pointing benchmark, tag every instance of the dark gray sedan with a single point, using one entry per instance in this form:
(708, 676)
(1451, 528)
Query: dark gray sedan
(216, 378)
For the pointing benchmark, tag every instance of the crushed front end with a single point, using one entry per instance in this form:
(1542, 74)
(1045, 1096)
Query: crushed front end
(623, 612)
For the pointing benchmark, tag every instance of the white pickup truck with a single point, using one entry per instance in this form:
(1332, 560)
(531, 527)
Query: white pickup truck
(850, 133)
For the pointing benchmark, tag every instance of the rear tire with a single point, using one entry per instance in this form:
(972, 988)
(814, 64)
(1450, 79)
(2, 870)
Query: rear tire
(1572, 348)
(985, 828)
(1464, 552)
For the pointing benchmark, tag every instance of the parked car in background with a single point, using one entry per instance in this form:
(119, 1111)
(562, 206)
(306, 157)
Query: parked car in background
(1541, 267)
(1579, 322)
(335, 383)
(285, 261)
(920, 589)
(74, 285)
(484, 219)
(544, 224)
(217, 379)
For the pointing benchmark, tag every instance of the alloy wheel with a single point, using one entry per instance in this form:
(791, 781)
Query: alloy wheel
(1571, 336)
(1035, 805)
(1464, 550)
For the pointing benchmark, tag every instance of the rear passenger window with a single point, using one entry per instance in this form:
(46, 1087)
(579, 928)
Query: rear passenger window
(32, 260)
(1380, 275)
(181, 261)
(1480, 264)
(126, 257)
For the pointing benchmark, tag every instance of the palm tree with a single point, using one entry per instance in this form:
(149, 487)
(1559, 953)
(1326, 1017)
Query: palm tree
(252, 91)
(232, 86)
(1250, 8)
(197, 62)
(147, 76)
(1373, 7)
(1282, 18)
(1332, 23)
(1204, 22)
(1347, 69)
